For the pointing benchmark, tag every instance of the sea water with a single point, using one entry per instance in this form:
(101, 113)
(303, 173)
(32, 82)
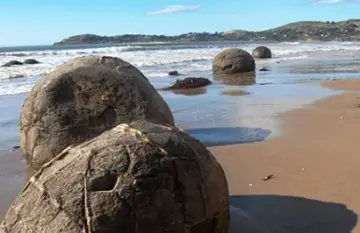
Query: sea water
(209, 115)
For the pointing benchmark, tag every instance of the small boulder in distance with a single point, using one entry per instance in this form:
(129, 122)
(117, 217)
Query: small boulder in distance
(31, 62)
(174, 73)
(262, 52)
(191, 82)
(233, 61)
(12, 63)
(264, 69)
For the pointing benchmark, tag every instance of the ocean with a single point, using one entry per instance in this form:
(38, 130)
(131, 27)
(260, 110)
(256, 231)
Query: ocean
(213, 116)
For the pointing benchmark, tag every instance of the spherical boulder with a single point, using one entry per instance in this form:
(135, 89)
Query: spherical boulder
(82, 98)
(139, 177)
(31, 62)
(233, 61)
(261, 52)
(12, 63)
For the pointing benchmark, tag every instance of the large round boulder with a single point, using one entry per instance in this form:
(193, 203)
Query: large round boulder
(233, 61)
(82, 98)
(261, 52)
(135, 178)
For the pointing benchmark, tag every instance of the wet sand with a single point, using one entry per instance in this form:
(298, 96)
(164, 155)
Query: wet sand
(316, 168)
(315, 163)
(11, 178)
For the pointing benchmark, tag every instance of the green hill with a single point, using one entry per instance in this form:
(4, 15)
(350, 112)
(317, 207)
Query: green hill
(348, 30)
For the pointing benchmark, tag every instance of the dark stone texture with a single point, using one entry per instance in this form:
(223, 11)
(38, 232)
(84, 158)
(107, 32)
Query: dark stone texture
(262, 52)
(12, 63)
(174, 73)
(81, 99)
(264, 69)
(135, 178)
(233, 61)
(31, 62)
(187, 83)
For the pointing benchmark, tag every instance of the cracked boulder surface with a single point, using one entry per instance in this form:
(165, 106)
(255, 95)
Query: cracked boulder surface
(140, 177)
(82, 98)
(233, 61)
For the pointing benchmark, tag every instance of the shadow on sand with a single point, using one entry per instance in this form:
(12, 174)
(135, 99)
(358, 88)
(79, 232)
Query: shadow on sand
(277, 214)
(228, 136)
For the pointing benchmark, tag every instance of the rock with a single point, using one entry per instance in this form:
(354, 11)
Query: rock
(233, 61)
(264, 69)
(81, 99)
(269, 177)
(174, 73)
(12, 63)
(14, 148)
(190, 82)
(135, 178)
(17, 76)
(261, 52)
(31, 61)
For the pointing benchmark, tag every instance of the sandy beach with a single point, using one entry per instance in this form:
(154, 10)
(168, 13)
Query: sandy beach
(315, 164)
(11, 178)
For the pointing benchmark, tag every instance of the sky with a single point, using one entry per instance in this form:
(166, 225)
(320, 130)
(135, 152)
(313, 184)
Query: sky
(43, 22)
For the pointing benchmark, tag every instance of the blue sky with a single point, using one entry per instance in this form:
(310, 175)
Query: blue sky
(41, 22)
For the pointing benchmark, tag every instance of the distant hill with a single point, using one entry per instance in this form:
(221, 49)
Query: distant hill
(348, 30)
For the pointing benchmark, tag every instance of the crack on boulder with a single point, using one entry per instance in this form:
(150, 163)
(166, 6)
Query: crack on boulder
(229, 66)
(4, 228)
(202, 188)
(46, 194)
(179, 192)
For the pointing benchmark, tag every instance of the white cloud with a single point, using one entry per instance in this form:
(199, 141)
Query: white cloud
(174, 9)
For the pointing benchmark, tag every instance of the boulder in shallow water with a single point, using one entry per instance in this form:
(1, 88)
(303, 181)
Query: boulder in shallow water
(174, 73)
(264, 69)
(187, 83)
(31, 62)
(135, 178)
(81, 99)
(233, 61)
(261, 52)
(13, 63)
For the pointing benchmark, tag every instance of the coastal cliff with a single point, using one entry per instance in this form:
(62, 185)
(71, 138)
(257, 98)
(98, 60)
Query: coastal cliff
(348, 30)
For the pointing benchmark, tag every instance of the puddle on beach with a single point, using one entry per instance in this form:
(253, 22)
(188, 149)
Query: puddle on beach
(244, 114)
(229, 135)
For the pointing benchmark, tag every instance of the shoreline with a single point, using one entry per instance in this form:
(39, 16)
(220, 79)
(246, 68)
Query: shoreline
(315, 170)
(315, 164)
